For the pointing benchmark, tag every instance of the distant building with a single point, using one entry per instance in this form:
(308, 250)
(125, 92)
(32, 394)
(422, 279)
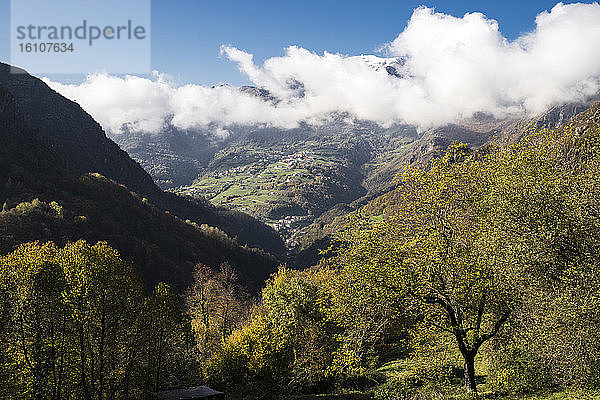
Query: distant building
(193, 393)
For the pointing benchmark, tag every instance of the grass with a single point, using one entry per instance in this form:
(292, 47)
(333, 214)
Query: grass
(399, 370)
(259, 181)
(332, 396)
(393, 372)
(563, 395)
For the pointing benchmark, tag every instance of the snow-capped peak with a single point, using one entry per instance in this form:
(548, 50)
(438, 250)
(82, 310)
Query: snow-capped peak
(392, 65)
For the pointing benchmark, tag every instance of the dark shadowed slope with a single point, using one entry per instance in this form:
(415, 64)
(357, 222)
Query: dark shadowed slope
(83, 146)
(44, 200)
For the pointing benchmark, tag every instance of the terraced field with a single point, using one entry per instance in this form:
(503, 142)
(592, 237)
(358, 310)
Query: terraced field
(288, 179)
(285, 185)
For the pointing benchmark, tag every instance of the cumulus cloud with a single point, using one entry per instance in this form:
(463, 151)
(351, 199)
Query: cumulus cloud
(447, 68)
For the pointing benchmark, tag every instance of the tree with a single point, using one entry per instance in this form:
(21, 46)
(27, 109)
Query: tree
(470, 238)
(169, 356)
(77, 323)
(297, 304)
(287, 343)
(365, 311)
(218, 304)
(105, 298)
(441, 250)
(35, 327)
(560, 225)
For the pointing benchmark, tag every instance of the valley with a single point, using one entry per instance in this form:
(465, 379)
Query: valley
(286, 185)
(302, 182)
(285, 178)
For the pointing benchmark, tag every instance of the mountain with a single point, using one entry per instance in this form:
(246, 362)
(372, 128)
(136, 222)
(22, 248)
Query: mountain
(394, 66)
(83, 146)
(285, 177)
(299, 180)
(71, 132)
(48, 195)
(476, 132)
(173, 158)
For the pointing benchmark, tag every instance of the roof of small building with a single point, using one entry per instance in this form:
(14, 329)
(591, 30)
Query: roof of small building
(198, 392)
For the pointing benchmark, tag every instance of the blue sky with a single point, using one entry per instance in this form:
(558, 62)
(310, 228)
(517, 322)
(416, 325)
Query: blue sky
(187, 34)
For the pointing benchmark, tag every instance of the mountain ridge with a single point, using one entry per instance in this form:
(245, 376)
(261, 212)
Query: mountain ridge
(84, 147)
(227, 167)
(43, 199)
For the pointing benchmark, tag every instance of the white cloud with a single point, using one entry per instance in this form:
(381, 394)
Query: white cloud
(454, 68)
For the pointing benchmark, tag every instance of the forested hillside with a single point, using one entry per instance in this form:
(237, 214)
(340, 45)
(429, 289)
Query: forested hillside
(82, 146)
(43, 199)
(477, 132)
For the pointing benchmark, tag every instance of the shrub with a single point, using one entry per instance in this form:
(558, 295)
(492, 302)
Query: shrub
(515, 370)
